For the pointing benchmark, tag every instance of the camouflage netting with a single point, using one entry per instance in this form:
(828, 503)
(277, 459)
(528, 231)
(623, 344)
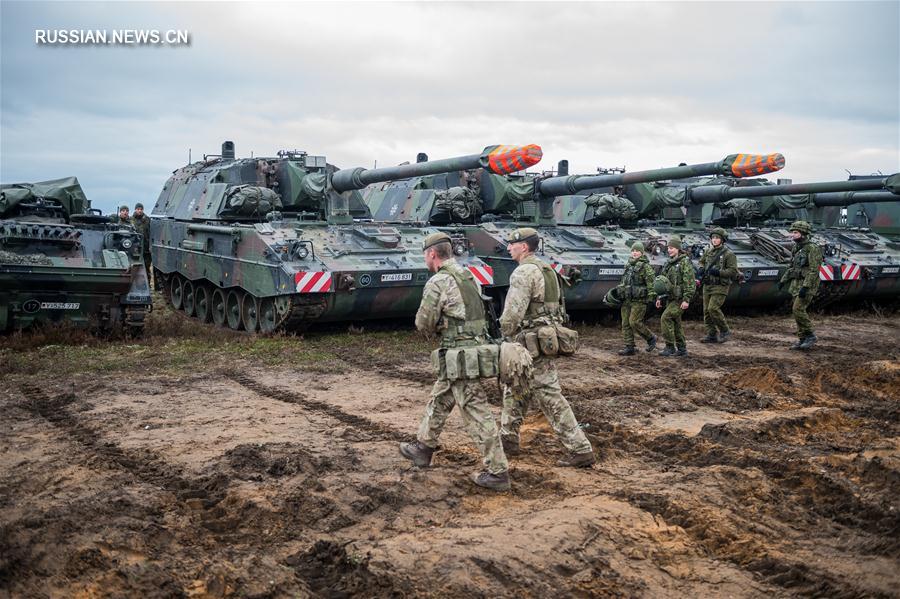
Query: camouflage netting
(67, 191)
(611, 207)
(460, 203)
(743, 209)
(26, 259)
(250, 200)
(516, 366)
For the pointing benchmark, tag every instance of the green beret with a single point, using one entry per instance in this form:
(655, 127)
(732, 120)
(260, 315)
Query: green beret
(521, 234)
(123, 207)
(638, 247)
(675, 242)
(434, 239)
(138, 205)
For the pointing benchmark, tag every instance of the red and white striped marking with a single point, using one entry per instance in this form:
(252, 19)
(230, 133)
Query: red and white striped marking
(826, 273)
(850, 272)
(558, 268)
(313, 282)
(483, 274)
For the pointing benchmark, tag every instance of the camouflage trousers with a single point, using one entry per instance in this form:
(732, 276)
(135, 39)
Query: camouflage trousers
(477, 418)
(633, 322)
(713, 317)
(546, 395)
(798, 309)
(670, 325)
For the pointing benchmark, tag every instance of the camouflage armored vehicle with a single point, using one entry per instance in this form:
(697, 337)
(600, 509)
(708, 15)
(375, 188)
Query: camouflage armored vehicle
(858, 263)
(62, 262)
(485, 207)
(277, 243)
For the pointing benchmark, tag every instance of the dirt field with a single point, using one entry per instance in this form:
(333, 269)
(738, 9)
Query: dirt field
(204, 463)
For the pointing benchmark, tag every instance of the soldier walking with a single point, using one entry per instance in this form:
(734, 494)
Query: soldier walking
(535, 299)
(452, 308)
(680, 275)
(636, 289)
(141, 222)
(802, 277)
(718, 270)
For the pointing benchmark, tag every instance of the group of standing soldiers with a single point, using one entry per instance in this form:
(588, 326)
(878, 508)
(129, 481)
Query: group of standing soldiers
(675, 287)
(141, 223)
(452, 308)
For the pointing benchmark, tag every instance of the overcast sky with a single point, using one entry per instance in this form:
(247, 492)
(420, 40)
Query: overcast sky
(639, 85)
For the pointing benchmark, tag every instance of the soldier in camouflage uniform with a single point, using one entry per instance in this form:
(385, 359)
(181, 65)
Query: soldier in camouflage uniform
(682, 285)
(452, 308)
(636, 290)
(802, 277)
(535, 299)
(141, 223)
(122, 217)
(718, 269)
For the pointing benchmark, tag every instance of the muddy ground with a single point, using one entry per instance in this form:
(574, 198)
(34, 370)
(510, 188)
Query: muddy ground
(204, 463)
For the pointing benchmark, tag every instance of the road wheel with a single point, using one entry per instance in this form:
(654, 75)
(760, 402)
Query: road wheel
(187, 298)
(268, 315)
(203, 302)
(250, 312)
(233, 309)
(217, 307)
(176, 291)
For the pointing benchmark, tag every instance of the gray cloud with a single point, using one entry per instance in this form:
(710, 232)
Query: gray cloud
(641, 85)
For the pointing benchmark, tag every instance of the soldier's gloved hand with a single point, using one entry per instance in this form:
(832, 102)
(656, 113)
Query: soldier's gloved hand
(802, 292)
(714, 271)
(700, 273)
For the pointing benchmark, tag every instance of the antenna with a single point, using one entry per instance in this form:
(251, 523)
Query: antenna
(189, 155)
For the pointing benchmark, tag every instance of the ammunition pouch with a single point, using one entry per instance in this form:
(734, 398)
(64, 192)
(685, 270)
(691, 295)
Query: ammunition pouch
(549, 340)
(637, 292)
(466, 363)
(568, 340)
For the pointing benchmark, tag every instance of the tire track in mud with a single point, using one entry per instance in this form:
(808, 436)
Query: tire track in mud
(388, 368)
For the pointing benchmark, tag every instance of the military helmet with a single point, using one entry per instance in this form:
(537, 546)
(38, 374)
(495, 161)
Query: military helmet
(521, 234)
(720, 233)
(637, 246)
(801, 226)
(613, 297)
(661, 286)
(675, 242)
(434, 239)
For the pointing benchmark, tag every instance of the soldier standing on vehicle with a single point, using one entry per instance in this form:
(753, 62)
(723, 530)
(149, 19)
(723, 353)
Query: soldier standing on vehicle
(718, 269)
(122, 217)
(803, 279)
(636, 289)
(535, 300)
(679, 274)
(452, 308)
(141, 222)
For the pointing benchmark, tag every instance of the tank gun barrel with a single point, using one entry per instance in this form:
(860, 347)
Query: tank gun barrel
(714, 194)
(846, 198)
(735, 165)
(500, 160)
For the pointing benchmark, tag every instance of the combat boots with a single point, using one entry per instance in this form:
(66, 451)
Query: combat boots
(628, 351)
(578, 460)
(494, 482)
(651, 343)
(680, 352)
(807, 342)
(419, 453)
(510, 444)
(710, 338)
(724, 336)
(668, 352)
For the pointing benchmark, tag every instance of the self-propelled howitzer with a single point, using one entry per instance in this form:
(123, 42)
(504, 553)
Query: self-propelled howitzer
(60, 261)
(277, 243)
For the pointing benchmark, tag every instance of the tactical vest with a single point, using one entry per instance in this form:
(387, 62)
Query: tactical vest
(675, 266)
(472, 330)
(550, 310)
(799, 261)
(633, 282)
(717, 261)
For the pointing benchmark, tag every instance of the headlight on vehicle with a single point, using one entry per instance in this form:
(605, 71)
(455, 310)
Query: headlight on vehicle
(302, 252)
(126, 244)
